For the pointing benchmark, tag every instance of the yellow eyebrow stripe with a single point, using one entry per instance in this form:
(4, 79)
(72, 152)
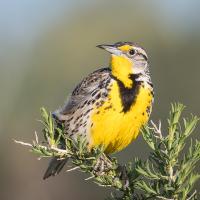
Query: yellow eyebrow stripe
(125, 47)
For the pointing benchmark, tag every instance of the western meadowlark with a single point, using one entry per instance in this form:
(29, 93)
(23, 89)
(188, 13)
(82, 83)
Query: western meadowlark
(109, 106)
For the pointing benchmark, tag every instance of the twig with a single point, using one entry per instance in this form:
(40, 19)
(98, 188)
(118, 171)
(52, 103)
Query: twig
(65, 152)
(23, 143)
(90, 177)
(192, 195)
(36, 137)
(72, 169)
(157, 129)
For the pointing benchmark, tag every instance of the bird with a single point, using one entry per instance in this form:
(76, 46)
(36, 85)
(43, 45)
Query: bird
(110, 105)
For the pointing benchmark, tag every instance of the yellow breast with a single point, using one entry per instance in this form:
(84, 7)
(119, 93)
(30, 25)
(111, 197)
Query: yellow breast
(115, 129)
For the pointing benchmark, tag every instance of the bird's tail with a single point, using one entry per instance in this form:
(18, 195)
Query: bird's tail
(55, 166)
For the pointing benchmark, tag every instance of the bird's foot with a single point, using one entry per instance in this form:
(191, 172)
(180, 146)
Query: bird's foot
(102, 165)
(123, 176)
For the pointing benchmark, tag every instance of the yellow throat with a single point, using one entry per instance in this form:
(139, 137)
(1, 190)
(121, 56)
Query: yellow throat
(121, 69)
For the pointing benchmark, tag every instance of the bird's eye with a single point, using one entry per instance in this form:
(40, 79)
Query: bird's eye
(131, 52)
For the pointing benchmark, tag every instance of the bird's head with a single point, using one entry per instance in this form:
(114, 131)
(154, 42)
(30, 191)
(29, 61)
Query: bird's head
(127, 59)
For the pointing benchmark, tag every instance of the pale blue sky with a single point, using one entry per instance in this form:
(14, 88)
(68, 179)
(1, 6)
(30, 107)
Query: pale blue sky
(21, 19)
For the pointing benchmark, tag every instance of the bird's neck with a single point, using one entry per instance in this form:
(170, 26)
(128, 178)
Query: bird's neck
(121, 69)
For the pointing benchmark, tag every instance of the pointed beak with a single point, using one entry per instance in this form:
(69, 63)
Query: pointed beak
(110, 48)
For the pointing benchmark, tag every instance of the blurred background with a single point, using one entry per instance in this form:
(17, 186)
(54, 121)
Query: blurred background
(46, 47)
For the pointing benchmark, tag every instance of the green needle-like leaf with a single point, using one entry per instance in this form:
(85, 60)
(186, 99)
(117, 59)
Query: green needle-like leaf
(169, 173)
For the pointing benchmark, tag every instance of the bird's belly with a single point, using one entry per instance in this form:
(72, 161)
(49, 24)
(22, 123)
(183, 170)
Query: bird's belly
(114, 129)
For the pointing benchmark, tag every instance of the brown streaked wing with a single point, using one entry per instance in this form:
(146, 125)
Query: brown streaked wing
(83, 91)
